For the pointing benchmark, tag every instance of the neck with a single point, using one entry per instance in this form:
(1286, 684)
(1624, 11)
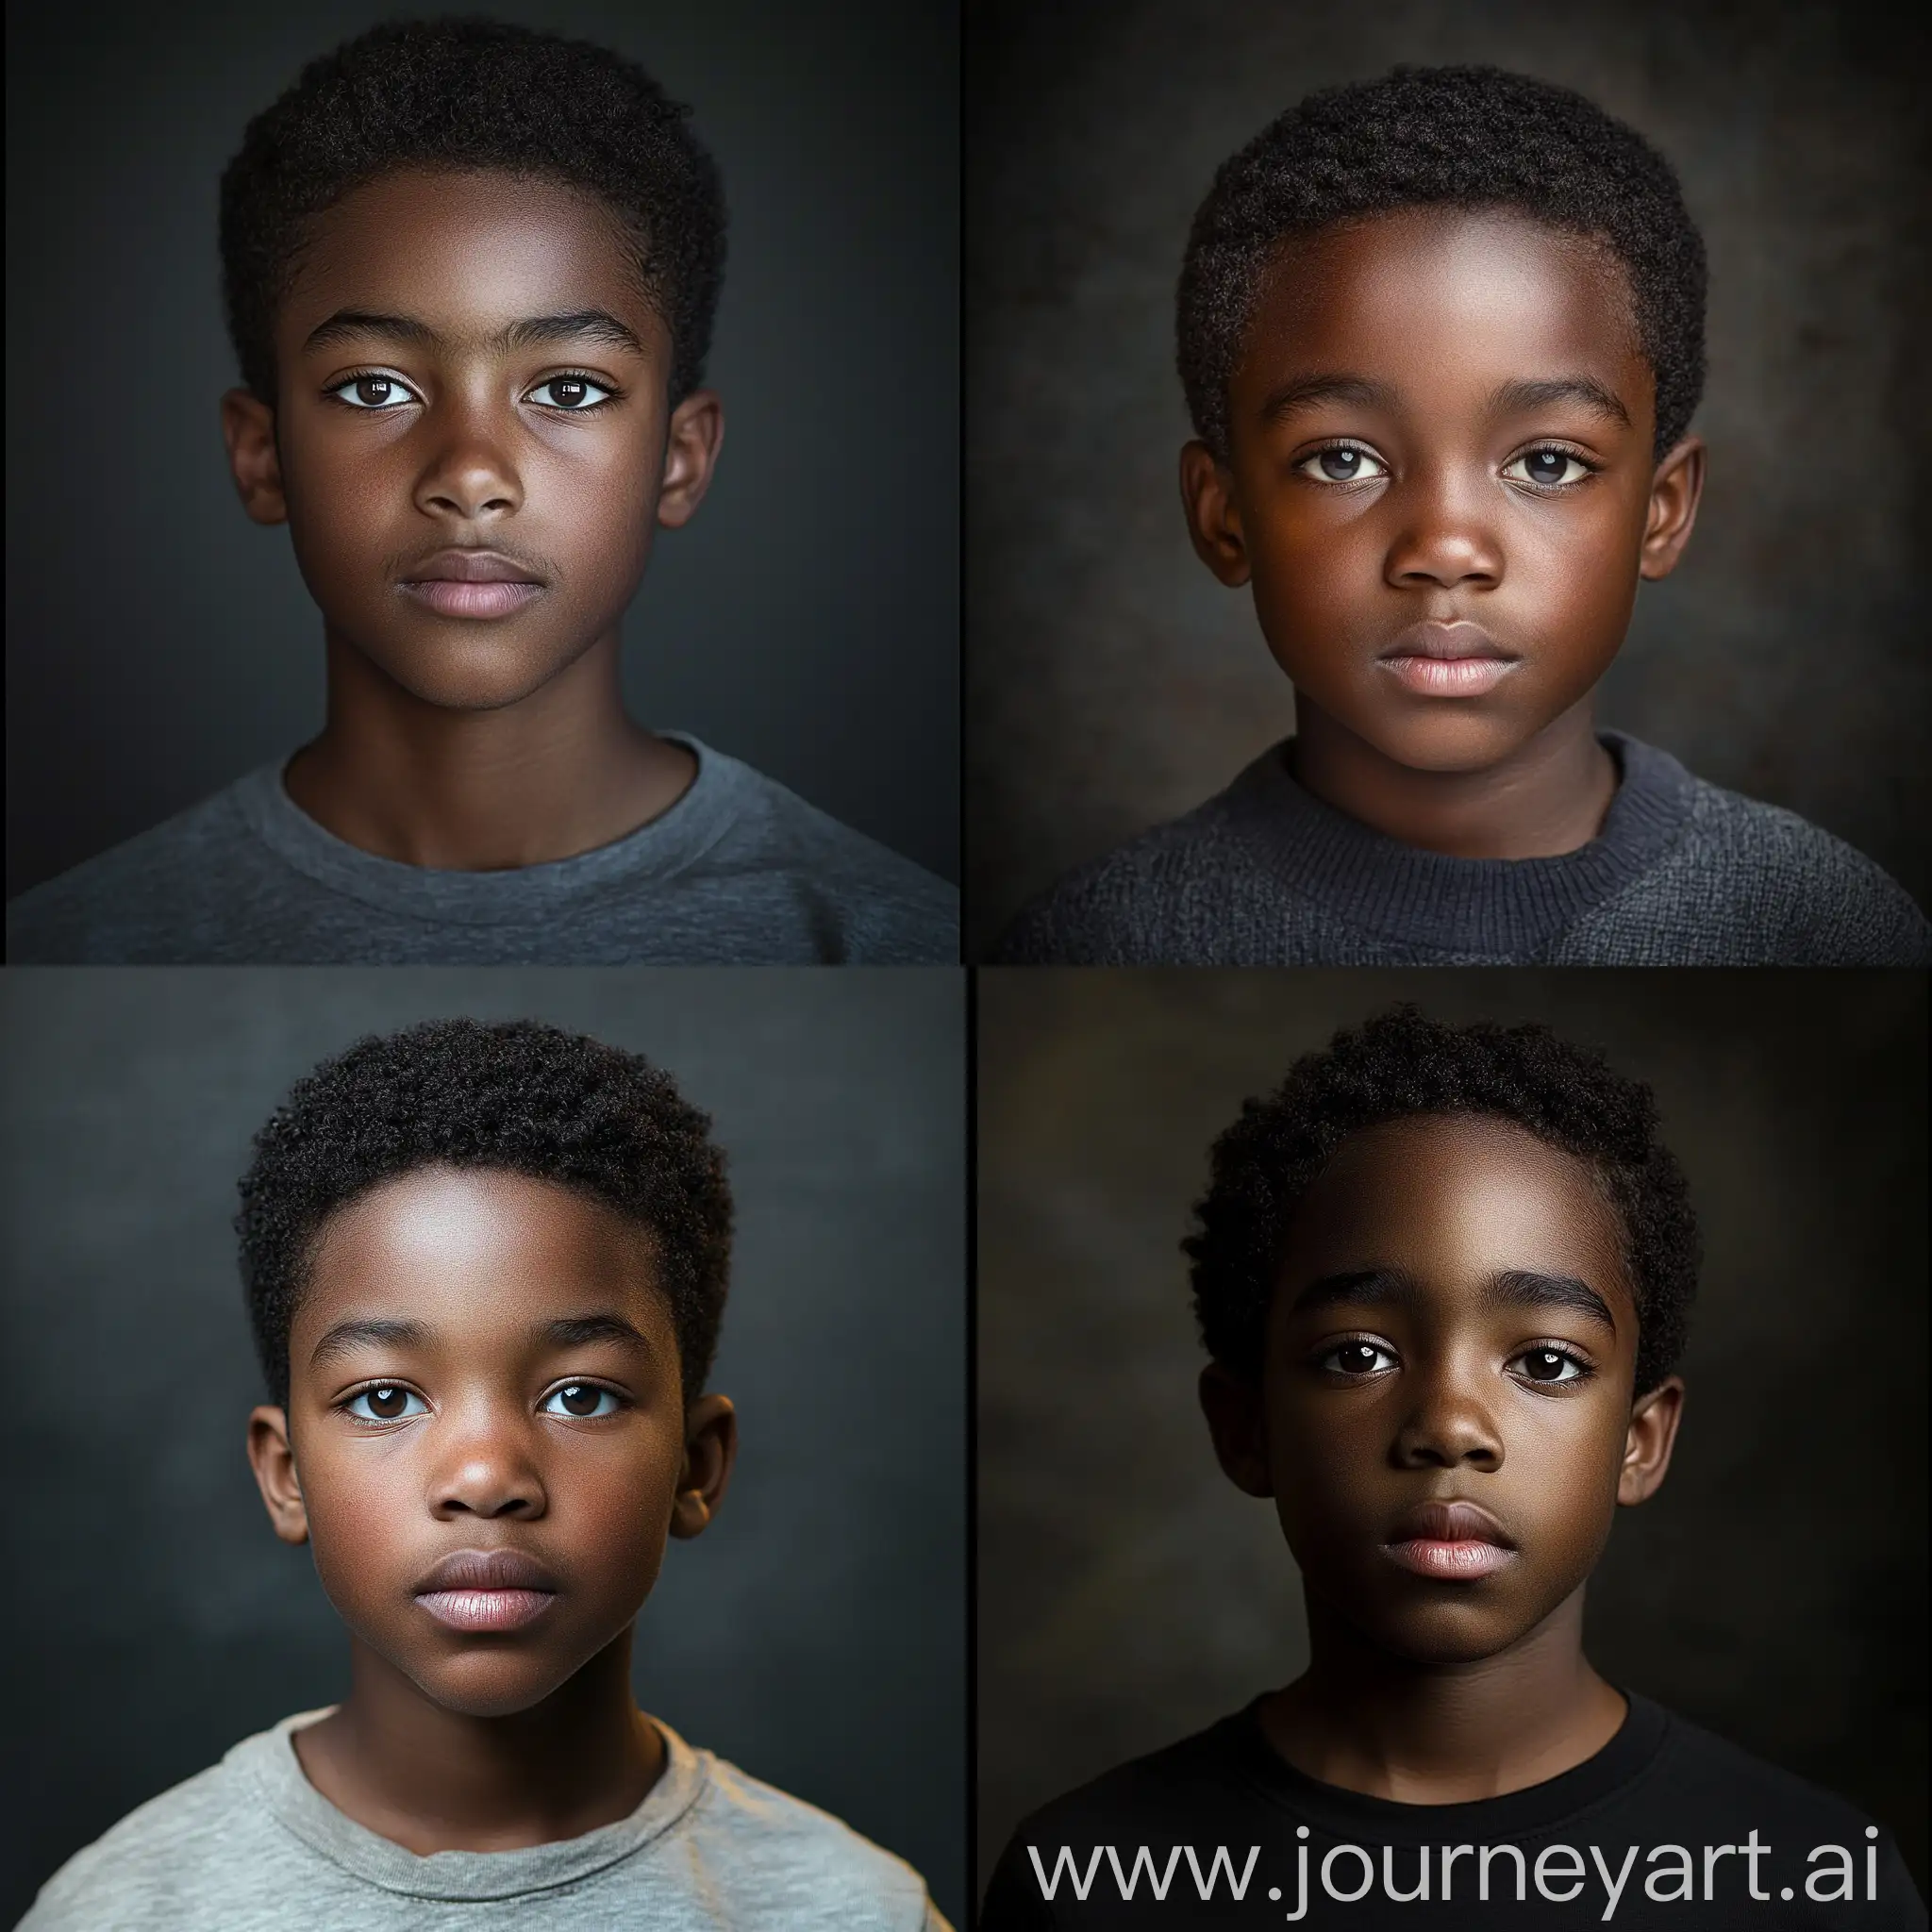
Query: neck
(1547, 797)
(559, 771)
(1442, 1734)
(437, 1780)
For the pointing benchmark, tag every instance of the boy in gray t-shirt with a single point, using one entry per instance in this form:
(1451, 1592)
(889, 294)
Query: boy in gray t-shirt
(485, 1265)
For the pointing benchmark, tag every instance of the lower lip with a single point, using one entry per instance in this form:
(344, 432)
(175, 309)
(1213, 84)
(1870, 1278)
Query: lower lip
(449, 598)
(486, 1610)
(1450, 677)
(1456, 1562)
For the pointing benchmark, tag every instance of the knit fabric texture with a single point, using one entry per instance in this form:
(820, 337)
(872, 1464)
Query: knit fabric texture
(1682, 873)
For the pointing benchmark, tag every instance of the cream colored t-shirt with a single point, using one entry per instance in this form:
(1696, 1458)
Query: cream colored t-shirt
(250, 1845)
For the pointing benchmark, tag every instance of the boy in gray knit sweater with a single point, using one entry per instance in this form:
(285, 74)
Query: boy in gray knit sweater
(1442, 337)
(486, 1266)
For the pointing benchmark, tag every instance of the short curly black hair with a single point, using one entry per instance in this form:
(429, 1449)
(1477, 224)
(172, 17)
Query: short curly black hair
(1468, 137)
(464, 93)
(516, 1095)
(1403, 1063)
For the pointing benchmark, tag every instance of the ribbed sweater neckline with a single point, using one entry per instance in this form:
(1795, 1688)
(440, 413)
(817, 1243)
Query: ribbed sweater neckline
(1406, 895)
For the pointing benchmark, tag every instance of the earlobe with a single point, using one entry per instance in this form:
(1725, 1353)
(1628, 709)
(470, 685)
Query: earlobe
(1651, 1436)
(273, 1459)
(1675, 491)
(1214, 524)
(710, 1450)
(255, 461)
(692, 441)
(1237, 1422)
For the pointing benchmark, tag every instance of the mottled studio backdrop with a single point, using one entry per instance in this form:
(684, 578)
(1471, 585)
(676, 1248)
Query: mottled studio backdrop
(158, 644)
(1112, 683)
(815, 1634)
(1774, 1590)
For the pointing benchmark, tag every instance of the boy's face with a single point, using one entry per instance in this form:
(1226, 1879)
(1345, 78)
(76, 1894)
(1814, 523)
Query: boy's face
(482, 1362)
(1452, 1325)
(1440, 479)
(450, 429)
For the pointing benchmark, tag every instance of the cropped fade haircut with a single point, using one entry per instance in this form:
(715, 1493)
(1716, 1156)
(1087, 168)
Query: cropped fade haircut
(1461, 137)
(517, 1096)
(472, 94)
(1401, 1064)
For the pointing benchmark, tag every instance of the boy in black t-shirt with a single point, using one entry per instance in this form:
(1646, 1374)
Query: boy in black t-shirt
(1442, 1275)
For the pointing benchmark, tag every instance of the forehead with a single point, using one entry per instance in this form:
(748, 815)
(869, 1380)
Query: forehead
(1423, 298)
(1454, 1201)
(475, 1252)
(465, 251)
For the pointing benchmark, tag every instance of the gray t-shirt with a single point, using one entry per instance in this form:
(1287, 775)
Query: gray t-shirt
(738, 872)
(250, 1845)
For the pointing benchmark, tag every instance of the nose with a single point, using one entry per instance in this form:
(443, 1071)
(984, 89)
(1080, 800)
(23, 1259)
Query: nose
(1446, 538)
(1447, 1426)
(488, 1471)
(470, 474)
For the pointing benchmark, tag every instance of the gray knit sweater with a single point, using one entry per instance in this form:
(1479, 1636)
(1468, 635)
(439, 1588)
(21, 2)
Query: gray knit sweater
(1682, 873)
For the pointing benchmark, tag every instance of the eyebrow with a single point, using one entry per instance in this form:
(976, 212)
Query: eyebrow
(577, 324)
(1509, 399)
(1308, 392)
(345, 1338)
(1514, 1288)
(569, 1331)
(1520, 398)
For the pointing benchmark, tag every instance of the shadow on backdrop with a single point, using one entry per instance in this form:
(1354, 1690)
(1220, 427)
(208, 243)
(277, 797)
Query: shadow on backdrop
(815, 1635)
(1111, 683)
(158, 644)
(1129, 1594)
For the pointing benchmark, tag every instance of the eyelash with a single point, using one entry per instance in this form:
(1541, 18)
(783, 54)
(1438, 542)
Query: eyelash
(341, 1406)
(1585, 1370)
(611, 395)
(1589, 465)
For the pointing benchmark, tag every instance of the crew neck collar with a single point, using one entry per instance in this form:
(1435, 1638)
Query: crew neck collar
(1485, 906)
(269, 1760)
(1344, 1813)
(516, 895)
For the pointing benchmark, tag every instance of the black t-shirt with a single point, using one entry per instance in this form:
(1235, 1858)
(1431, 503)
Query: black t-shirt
(1645, 1818)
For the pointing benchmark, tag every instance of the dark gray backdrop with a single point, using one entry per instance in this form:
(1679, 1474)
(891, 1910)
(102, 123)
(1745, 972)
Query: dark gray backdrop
(1112, 683)
(815, 1635)
(158, 644)
(1773, 1591)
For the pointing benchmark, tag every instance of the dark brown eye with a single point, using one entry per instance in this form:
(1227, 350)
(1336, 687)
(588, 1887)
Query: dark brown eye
(1548, 1365)
(580, 1398)
(386, 1404)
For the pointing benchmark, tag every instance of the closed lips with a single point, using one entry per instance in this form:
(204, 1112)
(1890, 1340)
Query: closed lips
(469, 567)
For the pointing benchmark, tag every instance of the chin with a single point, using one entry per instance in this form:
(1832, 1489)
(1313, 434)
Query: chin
(472, 676)
(490, 1684)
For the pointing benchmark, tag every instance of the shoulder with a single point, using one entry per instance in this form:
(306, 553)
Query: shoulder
(1148, 1800)
(142, 901)
(1163, 898)
(1805, 897)
(1702, 1766)
(154, 1868)
(784, 1862)
(889, 911)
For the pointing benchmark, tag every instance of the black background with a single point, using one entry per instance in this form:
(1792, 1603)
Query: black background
(1774, 1590)
(815, 1634)
(1112, 683)
(158, 644)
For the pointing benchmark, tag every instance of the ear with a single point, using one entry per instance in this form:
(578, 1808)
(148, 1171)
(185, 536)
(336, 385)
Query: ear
(1236, 1419)
(1653, 1435)
(274, 1474)
(692, 443)
(248, 428)
(710, 1449)
(1674, 493)
(1214, 523)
